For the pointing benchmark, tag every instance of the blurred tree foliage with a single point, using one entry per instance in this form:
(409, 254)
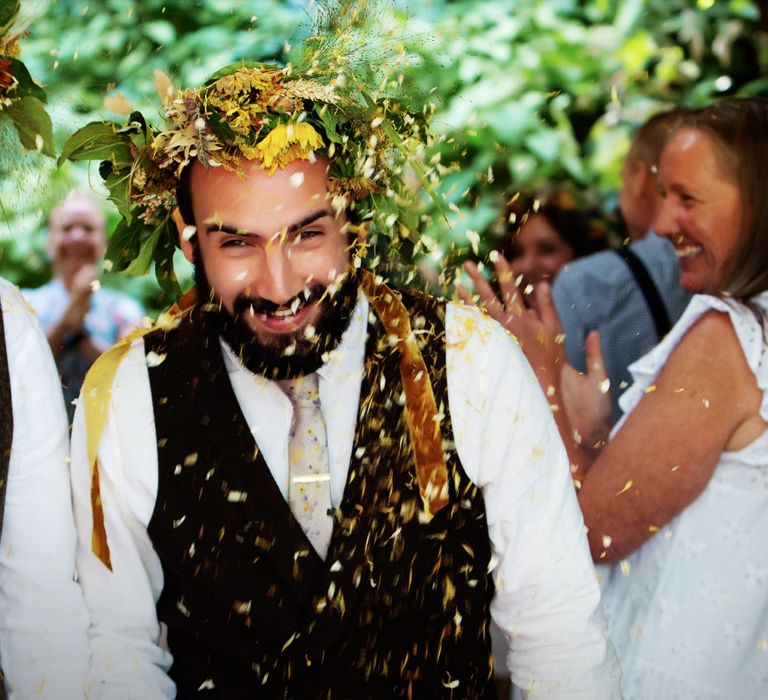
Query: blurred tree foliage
(536, 95)
(528, 93)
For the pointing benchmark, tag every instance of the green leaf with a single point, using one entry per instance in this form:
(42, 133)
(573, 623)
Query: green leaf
(32, 124)
(119, 186)
(754, 88)
(141, 263)
(220, 127)
(124, 244)
(138, 118)
(418, 169)
(163, 256)
(8, 10)
(26, 86)
(160, 31)
(329, 120)
(545, 144)
(97, 141)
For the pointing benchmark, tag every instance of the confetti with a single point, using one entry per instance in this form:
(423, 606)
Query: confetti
(624, 567)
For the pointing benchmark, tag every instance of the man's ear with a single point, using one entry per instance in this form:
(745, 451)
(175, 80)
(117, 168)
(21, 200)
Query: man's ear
(185, 235)
(643, 180)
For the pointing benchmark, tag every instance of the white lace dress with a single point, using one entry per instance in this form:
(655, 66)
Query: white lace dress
(689, 610)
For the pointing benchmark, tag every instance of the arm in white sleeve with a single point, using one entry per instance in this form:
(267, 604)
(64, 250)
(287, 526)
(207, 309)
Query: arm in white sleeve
(127, 659)
(547, 599)
(43, 621)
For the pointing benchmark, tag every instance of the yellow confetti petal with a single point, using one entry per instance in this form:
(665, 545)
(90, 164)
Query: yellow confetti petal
(624, 567)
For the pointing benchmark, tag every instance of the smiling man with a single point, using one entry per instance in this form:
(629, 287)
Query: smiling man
(277, 263)
(305, 483)
(80, 318)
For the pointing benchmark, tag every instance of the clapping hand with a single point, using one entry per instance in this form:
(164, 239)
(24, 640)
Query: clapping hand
(586, 396)
(538, 331)
(83, 284)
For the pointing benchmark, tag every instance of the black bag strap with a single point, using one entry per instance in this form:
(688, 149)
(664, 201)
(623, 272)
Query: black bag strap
(649, 290)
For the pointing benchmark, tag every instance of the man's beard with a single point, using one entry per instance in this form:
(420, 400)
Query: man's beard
(284, 355)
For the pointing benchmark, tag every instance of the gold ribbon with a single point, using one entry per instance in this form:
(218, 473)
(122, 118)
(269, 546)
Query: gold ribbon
(420, 405)
(421, 408)
(96, 395)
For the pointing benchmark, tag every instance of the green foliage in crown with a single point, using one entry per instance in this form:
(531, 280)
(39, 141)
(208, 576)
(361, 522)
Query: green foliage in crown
(22, 100)
(375, 145)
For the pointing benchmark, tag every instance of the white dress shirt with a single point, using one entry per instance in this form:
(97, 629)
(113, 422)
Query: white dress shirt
(43, 620)
(547, 598)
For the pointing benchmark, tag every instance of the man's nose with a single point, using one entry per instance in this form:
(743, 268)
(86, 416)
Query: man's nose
(279, 281)
(78, 234)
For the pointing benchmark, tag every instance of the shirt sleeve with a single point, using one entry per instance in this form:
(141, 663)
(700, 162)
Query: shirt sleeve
(547, 599)
(569, 298)
(43, 620)
(128, 658)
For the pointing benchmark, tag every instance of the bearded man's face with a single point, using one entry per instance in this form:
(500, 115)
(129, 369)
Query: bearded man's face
(270, 251)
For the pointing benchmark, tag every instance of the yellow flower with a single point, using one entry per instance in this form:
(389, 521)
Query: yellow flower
(286, 143)
(243, 80)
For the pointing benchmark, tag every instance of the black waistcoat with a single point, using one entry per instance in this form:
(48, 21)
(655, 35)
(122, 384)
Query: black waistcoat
(400, 606)
(6, 434)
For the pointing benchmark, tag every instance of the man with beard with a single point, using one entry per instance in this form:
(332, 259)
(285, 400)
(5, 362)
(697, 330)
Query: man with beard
(306, 484)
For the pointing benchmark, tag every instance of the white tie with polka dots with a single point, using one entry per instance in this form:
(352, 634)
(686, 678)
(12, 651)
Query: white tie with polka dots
(309, 482)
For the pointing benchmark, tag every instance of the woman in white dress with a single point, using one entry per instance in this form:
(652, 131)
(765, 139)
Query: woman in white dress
(677, 501)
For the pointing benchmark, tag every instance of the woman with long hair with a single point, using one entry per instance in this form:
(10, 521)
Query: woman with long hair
(677, 500)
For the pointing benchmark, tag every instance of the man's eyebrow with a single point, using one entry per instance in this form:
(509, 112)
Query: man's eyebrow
(306, 221)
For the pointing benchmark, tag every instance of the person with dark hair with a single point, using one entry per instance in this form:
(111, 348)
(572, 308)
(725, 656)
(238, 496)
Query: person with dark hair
(630, 296)
(319, 485)
(543, 234)
(677, 501)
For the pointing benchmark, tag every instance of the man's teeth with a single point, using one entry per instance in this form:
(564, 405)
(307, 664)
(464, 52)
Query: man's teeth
(284, 313)
(688, 251)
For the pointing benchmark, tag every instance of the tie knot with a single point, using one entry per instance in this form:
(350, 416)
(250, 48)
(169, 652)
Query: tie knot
(302, 392)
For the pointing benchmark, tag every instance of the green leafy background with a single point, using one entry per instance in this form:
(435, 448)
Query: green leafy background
(527, 93)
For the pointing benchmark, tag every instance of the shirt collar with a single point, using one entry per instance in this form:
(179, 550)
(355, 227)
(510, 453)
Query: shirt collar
(352, 342)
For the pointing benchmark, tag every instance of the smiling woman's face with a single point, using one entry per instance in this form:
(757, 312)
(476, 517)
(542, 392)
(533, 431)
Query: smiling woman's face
(539, 251)
(701, 209)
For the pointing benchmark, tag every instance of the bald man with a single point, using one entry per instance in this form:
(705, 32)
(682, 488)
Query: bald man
(80, 319)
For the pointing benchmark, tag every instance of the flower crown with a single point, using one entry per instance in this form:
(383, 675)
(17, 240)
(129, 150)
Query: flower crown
(258, 111)
(22, 100)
